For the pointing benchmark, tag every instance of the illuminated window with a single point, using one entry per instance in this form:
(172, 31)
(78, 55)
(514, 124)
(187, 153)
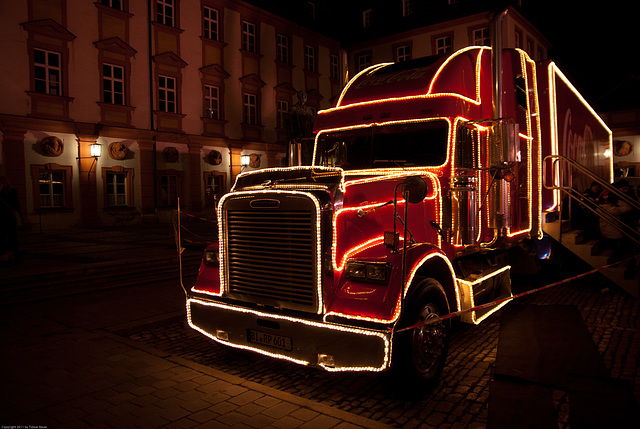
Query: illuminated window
(334, 67)
(250, 109)
(51, 186)
(480, 37)
(366, 18)
(282, 50)
(249, 37)
(116, 189)
(165, 12)
(443, 45)
(47, 72)
(407, 7)
(364, 61)
(309, 58)
(211, 102)
(210, 23)
(167, 94)
(113, 84)
(403, 53)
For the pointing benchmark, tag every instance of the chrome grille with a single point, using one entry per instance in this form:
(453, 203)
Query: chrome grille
(271, 255)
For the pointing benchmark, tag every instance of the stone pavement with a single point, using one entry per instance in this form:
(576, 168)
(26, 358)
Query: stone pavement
(65, 363)
(62, 365)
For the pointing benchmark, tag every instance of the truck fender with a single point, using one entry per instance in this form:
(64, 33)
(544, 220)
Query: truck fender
(428, 261)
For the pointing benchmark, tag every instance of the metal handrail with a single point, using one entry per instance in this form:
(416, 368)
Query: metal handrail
(592, 206)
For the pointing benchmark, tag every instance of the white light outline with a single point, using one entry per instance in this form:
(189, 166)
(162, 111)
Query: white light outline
(469, 285)
(384, 336)
(428, 93)
(552, 72)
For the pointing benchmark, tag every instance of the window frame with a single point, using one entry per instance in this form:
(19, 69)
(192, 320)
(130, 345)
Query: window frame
(128, 187)
(407, 8)
(179, 178)
(250, 110)
(402, 57)
(163, 89)
(483, 40)
(213, 197)
(367, 15)
(367, 56)
(210, 100)
(47, 72)
(334, 66)
(447, 48)
(113, 81)
(67, 172)
(208, 32)
(168, 20)
(283, 50)
(110, 4)
(282, 109)
(310, 58)
(249, 41)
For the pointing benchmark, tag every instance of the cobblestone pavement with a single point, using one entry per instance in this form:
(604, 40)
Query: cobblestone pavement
(105, 357)
(462, 397)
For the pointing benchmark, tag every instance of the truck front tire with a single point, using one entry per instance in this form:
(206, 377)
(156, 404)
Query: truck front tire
(420, 353)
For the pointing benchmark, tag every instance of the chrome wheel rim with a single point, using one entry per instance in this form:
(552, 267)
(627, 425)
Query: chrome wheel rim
(428, 343)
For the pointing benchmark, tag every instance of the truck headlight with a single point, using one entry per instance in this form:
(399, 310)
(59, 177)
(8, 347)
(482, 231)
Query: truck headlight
(374, 272)
(212, 257)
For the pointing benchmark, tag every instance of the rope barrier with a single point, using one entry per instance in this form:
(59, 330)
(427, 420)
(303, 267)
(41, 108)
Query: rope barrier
(509, 298)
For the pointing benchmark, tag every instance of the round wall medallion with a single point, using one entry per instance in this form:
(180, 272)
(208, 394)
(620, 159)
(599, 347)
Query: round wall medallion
(52, 146)
(118, 150)
(170, 154)
(254, 160)
(215, 157)
(622, 148)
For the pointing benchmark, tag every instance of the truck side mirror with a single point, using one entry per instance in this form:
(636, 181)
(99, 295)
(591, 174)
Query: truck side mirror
(414, 189)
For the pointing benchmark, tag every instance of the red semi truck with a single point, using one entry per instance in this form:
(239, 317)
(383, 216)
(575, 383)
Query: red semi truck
(424, 175)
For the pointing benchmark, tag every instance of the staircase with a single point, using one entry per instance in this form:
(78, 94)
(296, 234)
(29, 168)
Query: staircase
(626, 275)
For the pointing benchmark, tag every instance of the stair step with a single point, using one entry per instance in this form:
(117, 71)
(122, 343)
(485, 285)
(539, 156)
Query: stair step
(595, 255)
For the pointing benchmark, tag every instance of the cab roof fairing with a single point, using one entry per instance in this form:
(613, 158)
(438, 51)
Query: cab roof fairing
(407, 93)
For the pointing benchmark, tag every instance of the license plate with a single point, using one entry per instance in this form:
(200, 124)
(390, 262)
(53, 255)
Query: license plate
(271, 340)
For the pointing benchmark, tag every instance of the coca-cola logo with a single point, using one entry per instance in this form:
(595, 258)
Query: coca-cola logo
(577, 146)
(391, 78)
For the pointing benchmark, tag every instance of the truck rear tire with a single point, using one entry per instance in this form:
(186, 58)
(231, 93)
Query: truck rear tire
(420, 353)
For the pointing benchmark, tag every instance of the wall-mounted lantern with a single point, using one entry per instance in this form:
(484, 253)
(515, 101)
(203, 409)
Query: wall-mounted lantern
(244, 161)
(95, 150)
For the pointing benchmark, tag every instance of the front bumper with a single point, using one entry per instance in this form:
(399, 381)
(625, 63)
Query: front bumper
(332, 347)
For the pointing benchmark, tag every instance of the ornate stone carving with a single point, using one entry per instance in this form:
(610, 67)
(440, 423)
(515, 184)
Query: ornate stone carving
(118, 151)
(215, 157)
(52, 146)
(254, 160)
(170, 154)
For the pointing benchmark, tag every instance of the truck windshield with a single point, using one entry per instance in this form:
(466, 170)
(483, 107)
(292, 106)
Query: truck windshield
(396, 146)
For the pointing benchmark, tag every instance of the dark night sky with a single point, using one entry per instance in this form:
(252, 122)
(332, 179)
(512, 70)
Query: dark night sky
(596, 45)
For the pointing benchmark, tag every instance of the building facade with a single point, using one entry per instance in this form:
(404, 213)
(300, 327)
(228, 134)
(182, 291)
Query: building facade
(174, 92)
